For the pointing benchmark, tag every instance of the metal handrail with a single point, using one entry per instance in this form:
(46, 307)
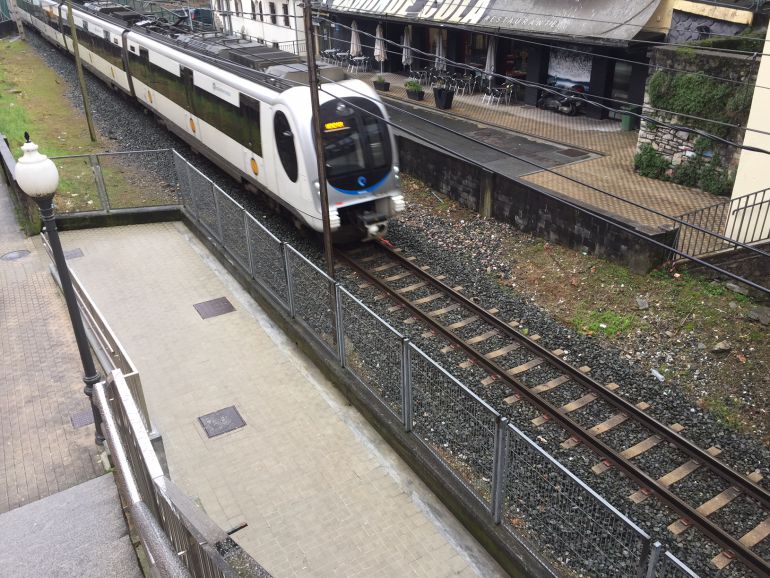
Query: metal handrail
(161, 554)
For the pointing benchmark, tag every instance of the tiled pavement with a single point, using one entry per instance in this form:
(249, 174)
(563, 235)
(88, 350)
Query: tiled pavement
(612, 172)
(40, 378)
(321, 492)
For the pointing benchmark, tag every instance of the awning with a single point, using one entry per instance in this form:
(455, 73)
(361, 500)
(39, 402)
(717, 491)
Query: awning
(600, 19)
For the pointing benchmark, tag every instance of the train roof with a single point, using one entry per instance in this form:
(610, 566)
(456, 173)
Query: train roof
(244, 57)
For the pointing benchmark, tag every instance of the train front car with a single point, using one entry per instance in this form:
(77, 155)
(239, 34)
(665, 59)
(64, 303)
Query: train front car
(361, 160)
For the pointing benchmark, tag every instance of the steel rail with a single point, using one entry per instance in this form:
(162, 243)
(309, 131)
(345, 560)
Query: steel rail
(711, 530)
(728, 474)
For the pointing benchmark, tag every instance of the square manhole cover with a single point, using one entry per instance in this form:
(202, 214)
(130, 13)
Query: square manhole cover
(214, 307)
(82, 418)
(221, 421)
(573, 153)
(73, 254)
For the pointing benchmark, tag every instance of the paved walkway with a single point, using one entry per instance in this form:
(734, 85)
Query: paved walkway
(59, 516)
(41, 385)
(321, 493)
(611, 171)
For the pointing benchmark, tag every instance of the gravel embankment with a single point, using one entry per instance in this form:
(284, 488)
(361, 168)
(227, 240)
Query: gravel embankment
(466, 255)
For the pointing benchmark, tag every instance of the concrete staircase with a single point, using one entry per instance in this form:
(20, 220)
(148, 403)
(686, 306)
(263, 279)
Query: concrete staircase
(80, 532)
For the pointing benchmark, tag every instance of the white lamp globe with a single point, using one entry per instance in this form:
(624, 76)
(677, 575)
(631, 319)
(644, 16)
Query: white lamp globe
(35, 173)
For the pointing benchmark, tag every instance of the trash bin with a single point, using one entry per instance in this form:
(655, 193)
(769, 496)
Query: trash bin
(630, 122)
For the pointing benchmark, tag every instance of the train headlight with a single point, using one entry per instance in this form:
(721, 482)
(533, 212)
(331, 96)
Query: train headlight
(396, 170)
(397, 174)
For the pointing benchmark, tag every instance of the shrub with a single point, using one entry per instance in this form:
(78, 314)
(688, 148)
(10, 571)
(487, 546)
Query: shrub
(715, 180)
(688, 173)
(650, 163)
(412, 85)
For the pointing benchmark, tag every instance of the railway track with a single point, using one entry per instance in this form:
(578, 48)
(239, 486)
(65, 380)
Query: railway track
(490, 342)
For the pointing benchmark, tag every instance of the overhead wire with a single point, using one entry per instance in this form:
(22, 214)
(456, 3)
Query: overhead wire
(559, 92)
(460, 3)
(546, 169)
(595, 54)
(503, 152)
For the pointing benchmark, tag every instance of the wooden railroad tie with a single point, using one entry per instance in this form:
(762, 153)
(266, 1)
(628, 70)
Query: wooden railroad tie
(675, 475)
(749, 540)
(637, 449)
(716, 503)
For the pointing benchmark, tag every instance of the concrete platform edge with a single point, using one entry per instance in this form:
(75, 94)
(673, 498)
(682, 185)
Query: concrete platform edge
(513, 553)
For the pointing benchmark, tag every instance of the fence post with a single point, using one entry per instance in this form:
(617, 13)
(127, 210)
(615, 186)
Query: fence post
(499, 467)
(406, 384)
(289, 288)
(186, 179)
(340, 324)
(248, 242)
(652, 565)
(219, 213)
(96, 168)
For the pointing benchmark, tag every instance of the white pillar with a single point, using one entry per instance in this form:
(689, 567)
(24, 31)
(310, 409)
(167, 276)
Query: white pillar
(749, 218)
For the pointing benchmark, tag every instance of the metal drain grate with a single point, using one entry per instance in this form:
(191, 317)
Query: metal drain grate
(82, 418)
(221, 421)
(574, 153)
(73, 254)
(15, 255)
(214, 307)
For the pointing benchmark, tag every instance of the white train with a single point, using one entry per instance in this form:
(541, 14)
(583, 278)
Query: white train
(237, 103)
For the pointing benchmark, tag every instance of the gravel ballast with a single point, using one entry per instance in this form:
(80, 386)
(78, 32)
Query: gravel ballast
(468, 256)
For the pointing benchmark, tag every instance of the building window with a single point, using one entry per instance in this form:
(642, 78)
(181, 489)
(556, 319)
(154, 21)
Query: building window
(273, 19)
(253, 11)
(286, 21)
(261, 15)
(238, 8)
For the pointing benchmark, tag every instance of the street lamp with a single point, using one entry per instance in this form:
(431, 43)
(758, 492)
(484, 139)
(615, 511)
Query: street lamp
(37, 176)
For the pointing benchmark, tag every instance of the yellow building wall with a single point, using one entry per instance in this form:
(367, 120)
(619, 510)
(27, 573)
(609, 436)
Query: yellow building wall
(750, 219)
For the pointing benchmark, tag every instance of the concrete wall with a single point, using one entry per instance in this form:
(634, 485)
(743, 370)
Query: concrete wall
(536, 210)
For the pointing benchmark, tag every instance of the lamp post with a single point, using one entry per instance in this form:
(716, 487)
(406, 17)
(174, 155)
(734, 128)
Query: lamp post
(37, 176)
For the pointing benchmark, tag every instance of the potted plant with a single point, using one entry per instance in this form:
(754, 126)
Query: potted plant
(414, 89)
(443, 96)
(381, 84)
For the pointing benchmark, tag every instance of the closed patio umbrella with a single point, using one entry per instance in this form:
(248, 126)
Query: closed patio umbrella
(380, 52)
(440, 52)
(489, 66)
(355, 40)
(406, 55)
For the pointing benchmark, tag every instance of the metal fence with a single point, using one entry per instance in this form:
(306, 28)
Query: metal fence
(514, 480)
(105, 183)
(193, 537)
(745, 219)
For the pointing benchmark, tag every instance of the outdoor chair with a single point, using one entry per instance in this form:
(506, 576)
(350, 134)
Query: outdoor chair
(493, 96)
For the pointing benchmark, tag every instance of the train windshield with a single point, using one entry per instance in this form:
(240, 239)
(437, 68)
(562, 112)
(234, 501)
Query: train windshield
(356, 142)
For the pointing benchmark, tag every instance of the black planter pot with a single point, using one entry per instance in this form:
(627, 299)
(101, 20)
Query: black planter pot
(383, 86)
(443, 97)
(415, 94)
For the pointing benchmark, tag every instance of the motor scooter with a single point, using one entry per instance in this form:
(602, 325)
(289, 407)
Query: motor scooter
(567, 101)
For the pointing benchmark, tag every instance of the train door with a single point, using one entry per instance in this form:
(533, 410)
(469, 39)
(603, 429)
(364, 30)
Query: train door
(192, 123)
(253, 163)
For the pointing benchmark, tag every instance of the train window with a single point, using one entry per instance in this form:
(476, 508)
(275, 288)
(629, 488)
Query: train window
(284, 142)
(250, 110)
(356, 142)
(222, 115)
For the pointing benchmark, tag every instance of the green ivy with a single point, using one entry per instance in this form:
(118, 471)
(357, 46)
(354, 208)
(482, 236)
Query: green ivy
(716, 180)
(650, 163)
(688, 173)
